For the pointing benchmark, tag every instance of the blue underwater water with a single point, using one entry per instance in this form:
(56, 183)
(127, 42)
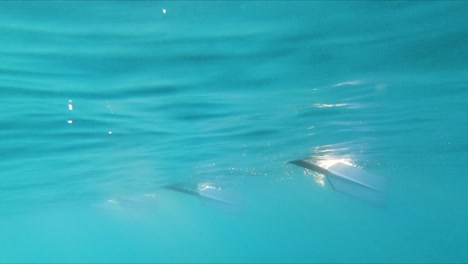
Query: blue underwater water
(122, 121)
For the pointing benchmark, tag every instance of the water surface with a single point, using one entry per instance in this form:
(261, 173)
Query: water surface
(111, 101)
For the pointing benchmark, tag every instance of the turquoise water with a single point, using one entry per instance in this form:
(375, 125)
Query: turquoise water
(105, 103)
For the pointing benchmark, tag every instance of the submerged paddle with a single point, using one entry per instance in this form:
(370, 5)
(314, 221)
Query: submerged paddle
(351, 181)
(212, 197)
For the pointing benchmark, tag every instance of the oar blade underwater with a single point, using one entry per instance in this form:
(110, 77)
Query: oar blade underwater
(210, 196)
(145, 204)
(351, 181)
(220, 199)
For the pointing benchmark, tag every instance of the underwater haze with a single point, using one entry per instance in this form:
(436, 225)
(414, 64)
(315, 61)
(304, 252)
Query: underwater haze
(162, 131)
